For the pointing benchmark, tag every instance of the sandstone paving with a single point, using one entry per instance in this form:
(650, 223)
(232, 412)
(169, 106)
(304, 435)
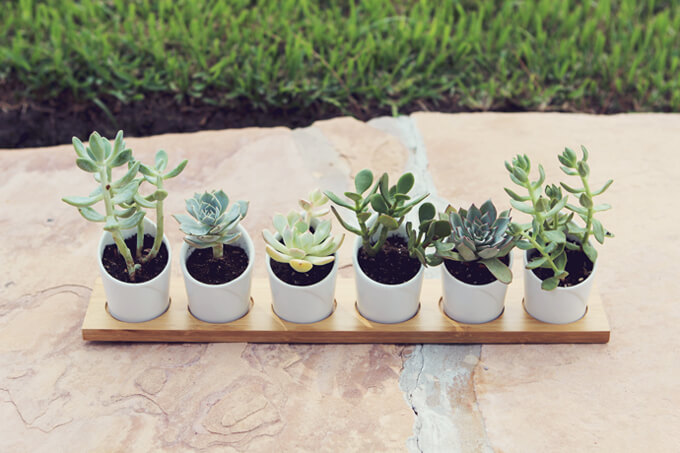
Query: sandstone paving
(622, 396)
(58, 393)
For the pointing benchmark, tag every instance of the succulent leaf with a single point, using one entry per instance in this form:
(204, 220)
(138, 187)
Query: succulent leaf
(296, 245)
(211, 222)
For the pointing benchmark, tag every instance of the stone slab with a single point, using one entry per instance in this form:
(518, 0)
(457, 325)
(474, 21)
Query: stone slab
(623, 396)
(58, 393)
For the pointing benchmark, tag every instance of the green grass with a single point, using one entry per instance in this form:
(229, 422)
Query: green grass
(602, 56)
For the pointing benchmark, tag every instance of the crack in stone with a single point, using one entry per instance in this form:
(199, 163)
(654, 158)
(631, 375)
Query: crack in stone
(31, 424)
(439, 422)
(418, 358)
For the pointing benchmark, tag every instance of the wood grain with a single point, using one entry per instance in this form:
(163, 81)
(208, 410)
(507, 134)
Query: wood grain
(345, 325)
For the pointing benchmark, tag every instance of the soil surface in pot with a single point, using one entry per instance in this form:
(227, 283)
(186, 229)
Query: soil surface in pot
(286, 273)
(114, 263)
(392, 265)
(472, 272)
(215, 271)
(579, 267)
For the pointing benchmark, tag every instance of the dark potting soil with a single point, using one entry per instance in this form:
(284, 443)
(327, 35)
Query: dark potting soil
(472, 272)
(115, 264)
(214, 271)
(579, 267)
(392, 265)
(293, 277)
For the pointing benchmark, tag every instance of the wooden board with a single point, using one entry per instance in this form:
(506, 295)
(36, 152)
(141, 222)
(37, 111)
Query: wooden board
(345, 325)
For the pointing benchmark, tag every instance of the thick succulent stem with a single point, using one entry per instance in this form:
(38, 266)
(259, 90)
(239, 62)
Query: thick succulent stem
(217, 251)
(589, 221)
(375, 248)
(540, 249)
(105, 176)
(140, 241)
(158, 240)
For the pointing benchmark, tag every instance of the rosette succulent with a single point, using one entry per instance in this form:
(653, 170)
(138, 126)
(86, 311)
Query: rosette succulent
(211, 223)
(478, 234)
(296, 245)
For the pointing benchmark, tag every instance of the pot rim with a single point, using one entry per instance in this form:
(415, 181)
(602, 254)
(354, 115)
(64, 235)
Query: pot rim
(446, 272)
(531, 275)
(357, 267)
(185, 253)
(131, 232)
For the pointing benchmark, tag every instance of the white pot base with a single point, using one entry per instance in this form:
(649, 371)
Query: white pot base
(548, 322)
(335, 306)
(167, 308)
(443, 312)
(250, 307)
(356, 307)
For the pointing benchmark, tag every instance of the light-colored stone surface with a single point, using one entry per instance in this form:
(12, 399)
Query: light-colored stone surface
(623, 396)
(60, 394)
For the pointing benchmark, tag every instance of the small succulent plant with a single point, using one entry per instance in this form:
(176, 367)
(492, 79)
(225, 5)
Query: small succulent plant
(298, 246)
(430, 231)
(154, 175)
(478, 234)
(553, 217)
(123, 204)
(211, 224)
(390, 204)
(314, 207)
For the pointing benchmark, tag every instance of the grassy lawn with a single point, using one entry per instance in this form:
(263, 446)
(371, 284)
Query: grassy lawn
(356, 56)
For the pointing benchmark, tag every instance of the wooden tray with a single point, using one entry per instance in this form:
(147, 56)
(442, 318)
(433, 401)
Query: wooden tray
(345, 325)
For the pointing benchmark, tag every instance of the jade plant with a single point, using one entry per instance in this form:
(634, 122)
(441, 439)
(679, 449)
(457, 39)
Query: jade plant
(124, 206)
(296, 244)
(478, 235)
(430, 232)
(553, 229)
(390, 204)
(210, 223)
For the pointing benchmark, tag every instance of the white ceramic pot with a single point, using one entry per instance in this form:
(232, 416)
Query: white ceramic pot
(136, 302)
(303, 304)
(472, 304)
(225, 302)
(559, 306)
(387, 304)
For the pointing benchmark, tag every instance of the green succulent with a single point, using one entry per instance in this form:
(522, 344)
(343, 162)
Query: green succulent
(430, 231)
(314, 207)
(552, 223)
(211, 224)
(100, 157)
(389, 203)
(301, 248)
(478, 234)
